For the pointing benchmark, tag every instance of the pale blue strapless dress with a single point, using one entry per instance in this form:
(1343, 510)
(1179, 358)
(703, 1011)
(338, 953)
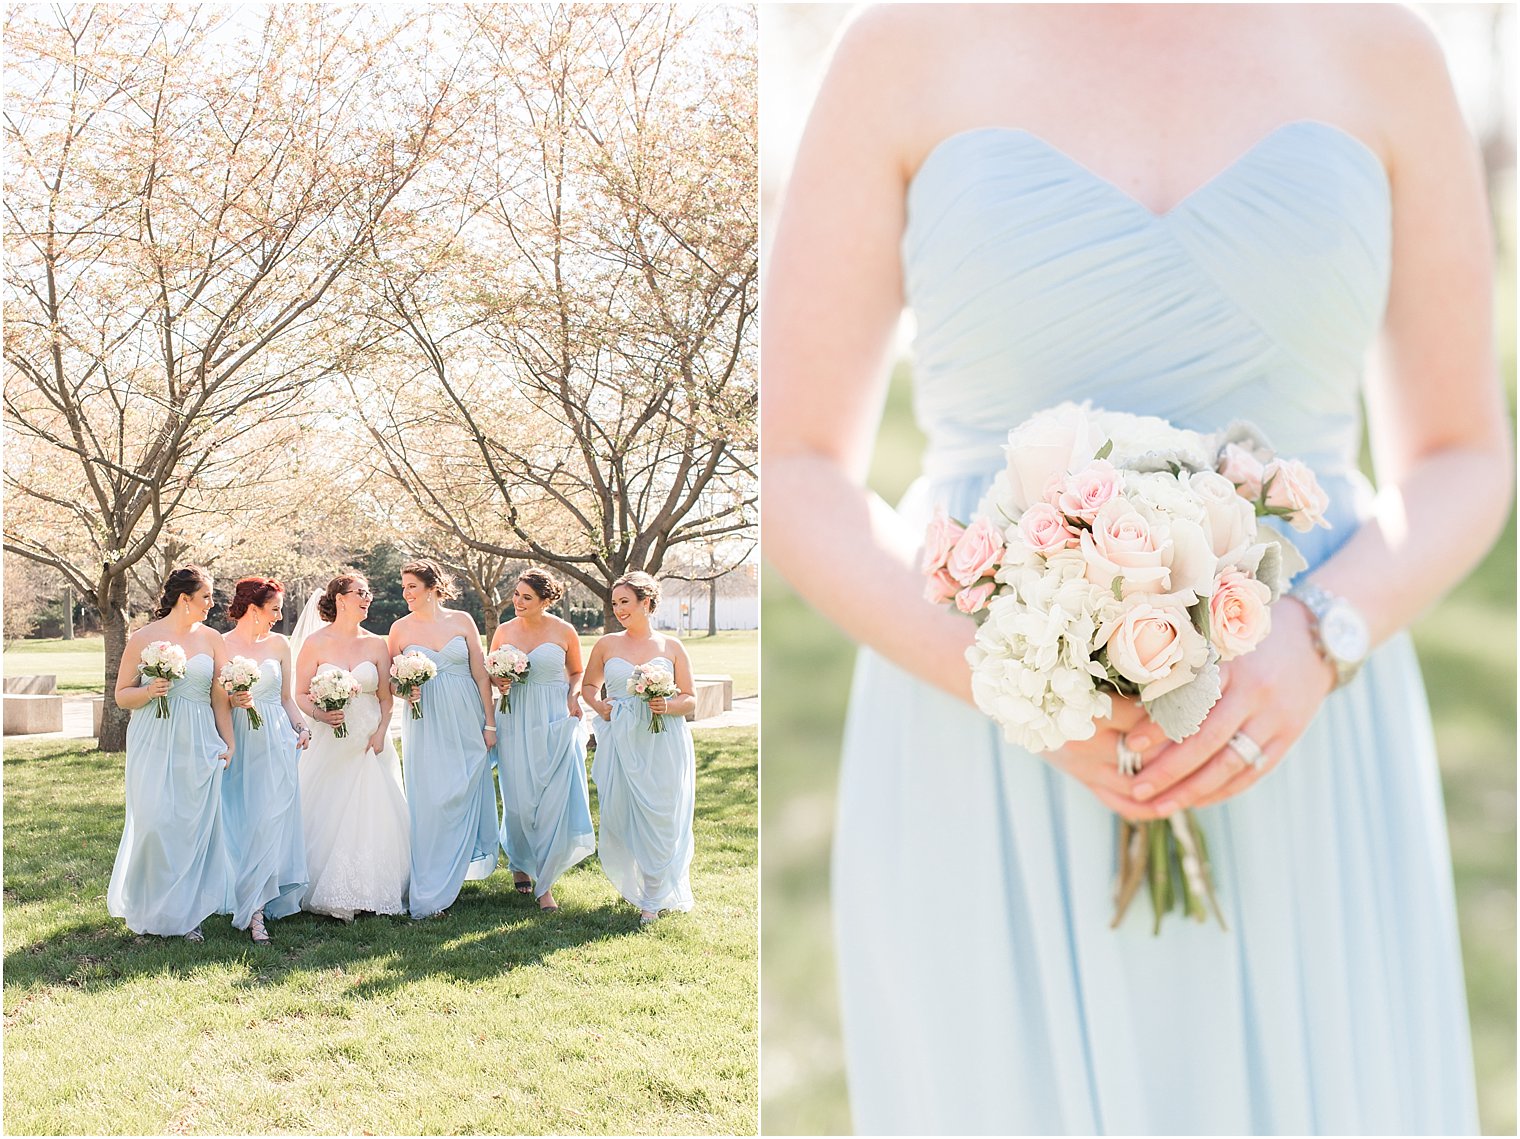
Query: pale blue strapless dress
(449, 794)
(541, 759)
(646, 790)
(982, 989)
(172, 870)
(261, 808)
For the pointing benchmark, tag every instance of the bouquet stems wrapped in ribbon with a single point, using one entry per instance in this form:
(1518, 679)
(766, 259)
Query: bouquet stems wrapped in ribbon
(1120, 555)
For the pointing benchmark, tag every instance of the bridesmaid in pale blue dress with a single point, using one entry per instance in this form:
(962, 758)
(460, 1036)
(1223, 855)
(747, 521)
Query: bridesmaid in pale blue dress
(445, 755)
(541, 744)
(645, 780)
(1204, 213)
(172, 870)
(261, 802)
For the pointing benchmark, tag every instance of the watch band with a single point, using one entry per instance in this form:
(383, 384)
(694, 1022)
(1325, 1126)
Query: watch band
(1320, 603)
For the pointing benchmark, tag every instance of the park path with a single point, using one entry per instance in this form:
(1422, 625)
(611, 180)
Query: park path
(78, 724)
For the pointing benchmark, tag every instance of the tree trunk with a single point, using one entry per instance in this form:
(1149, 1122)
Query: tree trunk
(712, 607)
(491, 611)
(112, 592)
(609, 622)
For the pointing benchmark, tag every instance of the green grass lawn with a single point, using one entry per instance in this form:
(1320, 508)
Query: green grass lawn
(494, 1019)
(80, 666)
(1467, 650)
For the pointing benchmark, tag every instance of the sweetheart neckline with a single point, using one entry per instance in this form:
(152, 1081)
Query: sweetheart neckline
(1184, 203)
(640, 663)
(446, 644)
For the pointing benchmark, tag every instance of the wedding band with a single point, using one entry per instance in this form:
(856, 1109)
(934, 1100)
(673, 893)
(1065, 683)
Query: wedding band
(1129, 758)
(1248, 749)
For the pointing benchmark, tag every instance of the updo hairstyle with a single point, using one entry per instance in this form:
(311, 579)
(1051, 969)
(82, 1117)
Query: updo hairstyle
(644, 587)
(541, 582)
(252, 593)
(327, 604)
(433, 576)
(183, 582)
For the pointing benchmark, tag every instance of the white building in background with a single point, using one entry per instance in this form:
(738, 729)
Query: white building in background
(685, 605)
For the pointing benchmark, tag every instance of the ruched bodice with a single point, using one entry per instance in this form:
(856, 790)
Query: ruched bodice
(618, 671)
(1033, 280)
(548, 661)
(267, 690)
(453, 659)
(195, 685)
(1334, 1004)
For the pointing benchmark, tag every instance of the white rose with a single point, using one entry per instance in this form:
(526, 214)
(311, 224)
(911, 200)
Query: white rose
(1051, 443)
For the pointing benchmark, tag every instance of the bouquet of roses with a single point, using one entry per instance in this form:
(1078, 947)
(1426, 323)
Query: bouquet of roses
(651, 682)
(510, 663)
(163, 660)
(239, 675)
(1120, 555)
(409, 671)
(331, 691)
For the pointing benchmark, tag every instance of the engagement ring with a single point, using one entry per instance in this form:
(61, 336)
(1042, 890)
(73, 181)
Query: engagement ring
(1248, 749)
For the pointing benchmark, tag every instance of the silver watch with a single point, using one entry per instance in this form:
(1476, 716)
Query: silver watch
(1340, 633)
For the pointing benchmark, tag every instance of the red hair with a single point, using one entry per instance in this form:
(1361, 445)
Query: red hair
(252, 592)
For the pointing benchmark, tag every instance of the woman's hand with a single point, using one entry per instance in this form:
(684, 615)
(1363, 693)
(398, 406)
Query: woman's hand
(1095, 762)
(502, 683)
(331, 719)
(242, 698)
(489, 736)
(158, 686)
(225, 755)
(376, 742)
(303, 736)
(414, 694)
(658, 705)
(575, 706)
(1270, 697)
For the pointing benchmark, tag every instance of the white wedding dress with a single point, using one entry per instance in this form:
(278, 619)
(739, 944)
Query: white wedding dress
(353, 812)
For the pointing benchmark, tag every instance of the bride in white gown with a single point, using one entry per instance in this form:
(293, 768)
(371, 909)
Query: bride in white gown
(353, 808)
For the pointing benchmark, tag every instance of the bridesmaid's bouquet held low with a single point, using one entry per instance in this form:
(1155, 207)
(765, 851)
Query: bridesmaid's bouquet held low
(411, 671)
(163, 660)
(507, 663)
(331, 691)
(1118, 554)
(239, 675)
(651, 682)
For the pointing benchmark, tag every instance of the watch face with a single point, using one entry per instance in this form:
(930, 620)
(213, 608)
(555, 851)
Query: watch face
(1344, 634)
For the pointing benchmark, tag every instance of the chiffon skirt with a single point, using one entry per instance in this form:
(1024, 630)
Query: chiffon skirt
(172, 870)
(261, 811)
(449, 794)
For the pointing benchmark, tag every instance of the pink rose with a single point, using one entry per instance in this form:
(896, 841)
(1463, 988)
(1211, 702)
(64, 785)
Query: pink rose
(1292, 486)
(939, 539)
(974, 597)
(976, 552)
(1239, 619)
(1156, 647)
(1084, 493)
(1243, 469)
(1121, 544)
(940, 587)
(1045, 531)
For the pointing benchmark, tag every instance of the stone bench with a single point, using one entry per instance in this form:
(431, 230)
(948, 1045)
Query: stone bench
(710, 696)
(27, 714)
(727, 684)
(43, 685)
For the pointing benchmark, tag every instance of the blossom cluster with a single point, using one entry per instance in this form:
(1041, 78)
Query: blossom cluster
(163, 660)
(653, 682)
(1118, 554)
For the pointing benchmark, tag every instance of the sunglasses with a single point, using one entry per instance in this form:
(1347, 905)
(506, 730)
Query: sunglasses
(357, 593)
